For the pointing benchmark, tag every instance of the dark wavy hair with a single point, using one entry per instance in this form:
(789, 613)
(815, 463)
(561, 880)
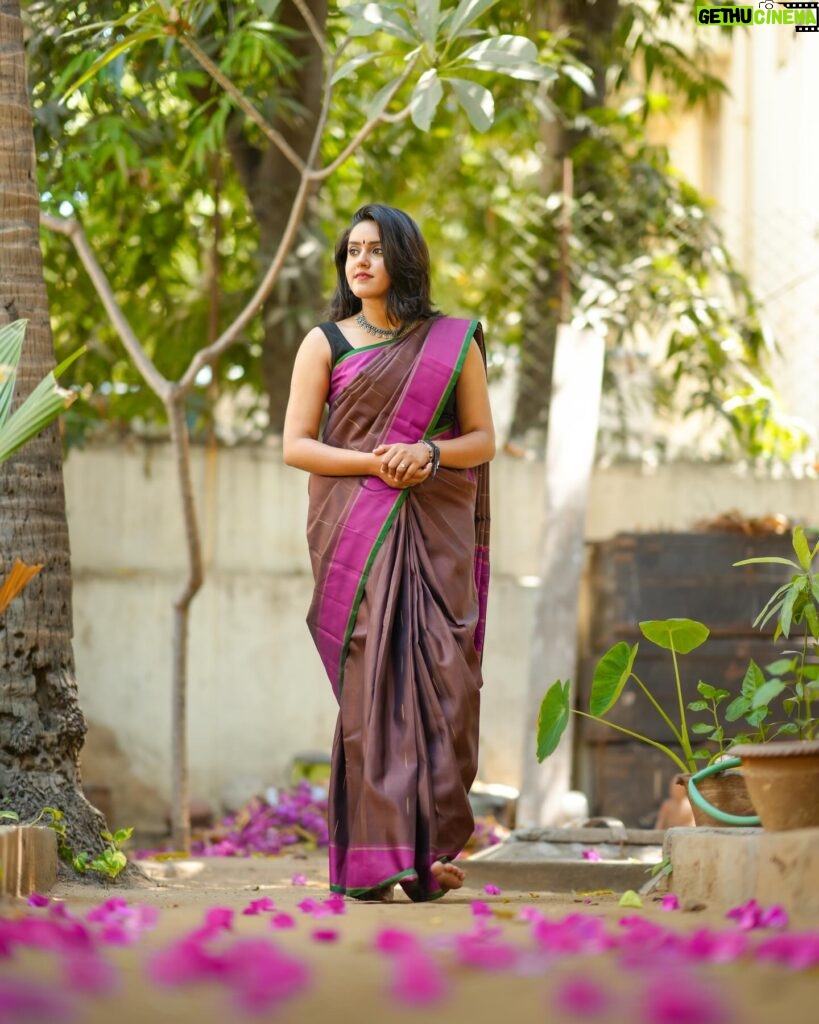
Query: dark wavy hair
(406, 258)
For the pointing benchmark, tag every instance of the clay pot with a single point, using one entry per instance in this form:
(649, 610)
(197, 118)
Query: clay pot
(726, 791)
(783, 780)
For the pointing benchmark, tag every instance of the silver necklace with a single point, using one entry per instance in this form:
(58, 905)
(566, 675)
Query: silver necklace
(378, 332)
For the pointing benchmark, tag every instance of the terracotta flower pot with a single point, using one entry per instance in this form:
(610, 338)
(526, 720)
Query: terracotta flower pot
(725, 791)
(783, 780)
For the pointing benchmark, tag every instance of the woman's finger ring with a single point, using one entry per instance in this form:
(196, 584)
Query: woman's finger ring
(402, 465)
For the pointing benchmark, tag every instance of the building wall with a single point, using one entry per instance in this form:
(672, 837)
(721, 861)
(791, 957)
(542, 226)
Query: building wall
(258, 694)
(754, 154)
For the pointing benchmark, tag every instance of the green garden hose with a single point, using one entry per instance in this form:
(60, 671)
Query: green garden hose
(696, 797)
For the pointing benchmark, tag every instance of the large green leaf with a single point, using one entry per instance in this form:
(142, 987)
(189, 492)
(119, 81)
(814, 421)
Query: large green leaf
(768, 560)
(800, 546)
(786, 614)
(11, 345)
(610, 676)
(425, 99)
(680, 635)
(369, 18)
(554, 715)
(466, 13)
(429, 12)
(501, 51)
(351, 66)
(43, 405)
(476, 101)
(767, 692)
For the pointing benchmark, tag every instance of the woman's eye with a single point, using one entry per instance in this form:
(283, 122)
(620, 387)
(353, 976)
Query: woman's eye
(378, 251)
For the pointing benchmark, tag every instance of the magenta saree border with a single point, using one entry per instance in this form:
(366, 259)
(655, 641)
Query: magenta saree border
(371, 515)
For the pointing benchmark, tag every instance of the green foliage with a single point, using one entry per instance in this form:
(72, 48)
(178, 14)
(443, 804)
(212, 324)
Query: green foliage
(615, 669)
(679, 635)
(110, 861)
(553, 718)
(41, 406)
(777, 701)
(796, 604)
(611, 675)
(141, 153)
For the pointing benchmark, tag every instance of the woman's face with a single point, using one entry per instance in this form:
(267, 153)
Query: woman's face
(365, 269)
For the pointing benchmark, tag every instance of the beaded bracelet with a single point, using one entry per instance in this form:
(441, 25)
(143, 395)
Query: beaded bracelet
(435, 454)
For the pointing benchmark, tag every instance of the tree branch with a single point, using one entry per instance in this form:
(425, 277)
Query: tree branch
(242, 102)
(204, 357)
(312, 24)
(367, 129)
(72, 229)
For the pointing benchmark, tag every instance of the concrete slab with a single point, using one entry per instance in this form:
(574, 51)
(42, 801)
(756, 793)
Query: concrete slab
(727, 866)
(551, 860)
(28, 858)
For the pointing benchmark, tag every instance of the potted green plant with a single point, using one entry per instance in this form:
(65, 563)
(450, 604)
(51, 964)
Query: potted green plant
(782, 774)
(700, 741)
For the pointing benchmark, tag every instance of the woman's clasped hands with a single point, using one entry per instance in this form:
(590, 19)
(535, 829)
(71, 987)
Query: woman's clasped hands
(404, 465)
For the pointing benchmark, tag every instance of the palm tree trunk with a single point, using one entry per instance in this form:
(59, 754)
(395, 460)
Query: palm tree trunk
(41, 724)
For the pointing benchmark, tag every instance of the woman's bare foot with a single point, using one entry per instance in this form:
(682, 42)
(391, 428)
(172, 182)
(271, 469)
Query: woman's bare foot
(447, 875)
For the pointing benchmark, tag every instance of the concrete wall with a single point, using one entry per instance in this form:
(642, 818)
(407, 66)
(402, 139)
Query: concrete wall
(258, 694)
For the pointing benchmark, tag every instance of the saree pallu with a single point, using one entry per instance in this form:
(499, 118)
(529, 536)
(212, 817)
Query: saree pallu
(398, 617)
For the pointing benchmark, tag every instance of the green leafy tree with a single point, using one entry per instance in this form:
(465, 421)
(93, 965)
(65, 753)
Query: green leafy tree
(427, 47)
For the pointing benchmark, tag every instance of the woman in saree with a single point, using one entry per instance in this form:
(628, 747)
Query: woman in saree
(398, 536)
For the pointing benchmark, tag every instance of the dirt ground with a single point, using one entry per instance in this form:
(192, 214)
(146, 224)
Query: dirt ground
(350, 980)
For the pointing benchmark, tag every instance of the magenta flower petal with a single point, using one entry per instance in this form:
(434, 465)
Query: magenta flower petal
(219, 919)
(184, 962)
(670, 902)
(481, 909)
(418, 980)
(531, 914)
(37, 900)
(336, 904)
(681, 999)
(485, 951)
(797, 951)
(282, 921)
(309, 906)
(746, 915)
(591, 855)
(774, 917)
(715, 947)
(91, 974)
(325, 935)
(260, 976)
(491, 890)
(396, 941)
(299, 880)
(581, 997)
(259, 906)
(105, 912)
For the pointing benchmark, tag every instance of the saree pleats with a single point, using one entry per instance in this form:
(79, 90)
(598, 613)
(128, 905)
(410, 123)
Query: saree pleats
(406, 744)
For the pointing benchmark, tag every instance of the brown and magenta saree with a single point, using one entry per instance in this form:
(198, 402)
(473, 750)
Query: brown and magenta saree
(398, 617)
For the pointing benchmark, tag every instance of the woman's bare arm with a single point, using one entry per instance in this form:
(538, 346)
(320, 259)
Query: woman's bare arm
(309, 388)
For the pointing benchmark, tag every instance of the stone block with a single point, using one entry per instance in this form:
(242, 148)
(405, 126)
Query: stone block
(728, 866)
(28, 858)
